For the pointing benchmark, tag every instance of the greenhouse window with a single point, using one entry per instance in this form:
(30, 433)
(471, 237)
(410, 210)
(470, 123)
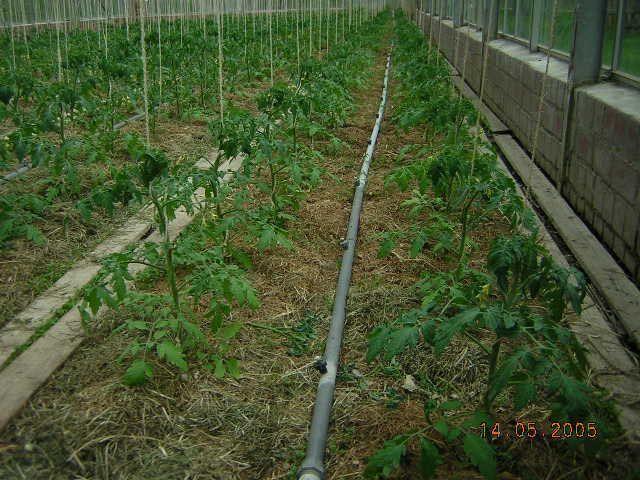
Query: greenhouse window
(563, 30)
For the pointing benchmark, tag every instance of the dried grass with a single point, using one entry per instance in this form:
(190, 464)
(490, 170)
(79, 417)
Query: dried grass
(85, 424)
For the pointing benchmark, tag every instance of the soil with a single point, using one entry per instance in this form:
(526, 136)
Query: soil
(85, 424)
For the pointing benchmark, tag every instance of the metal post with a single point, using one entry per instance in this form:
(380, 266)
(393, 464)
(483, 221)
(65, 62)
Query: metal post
(536, 25)
(491, 17)
(615, 64)
(584, 67)
(588, 35)
(506, 14)
(457, 13)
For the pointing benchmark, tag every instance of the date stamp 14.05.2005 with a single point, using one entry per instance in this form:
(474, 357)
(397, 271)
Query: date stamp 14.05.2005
(532, 430)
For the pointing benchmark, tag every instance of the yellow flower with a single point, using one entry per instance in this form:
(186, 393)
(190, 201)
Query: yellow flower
(484, 293)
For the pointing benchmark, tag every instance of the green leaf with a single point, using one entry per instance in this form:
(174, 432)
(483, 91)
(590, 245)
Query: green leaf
(194, 331)
(267, 239)
(503, 374)
(377, 341)
(575, 393)
(230, 331)
(252, 299)
(93, 299)
(219, 370)
(481, 455)
(172, 354)
(477, 419)
(137, 374)
(84, 207)
(84, 315)
(429, 458)
(442, 427)
(238, 289)
(34, 234)
(241, 258)
(105, 297)
(524, 394)
(452, 326)
(137, 325)
(401, 339)
(450, 405)
(449, 434)
(386, 246)
(119, 286)
(233, 367)
(418, 244)
(387, 459)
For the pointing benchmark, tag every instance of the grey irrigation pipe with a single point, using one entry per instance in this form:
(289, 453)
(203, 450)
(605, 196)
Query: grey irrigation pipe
(312, 467)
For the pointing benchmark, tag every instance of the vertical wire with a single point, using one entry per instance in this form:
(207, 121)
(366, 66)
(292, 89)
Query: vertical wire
(144, 72)
(220, 59)
(541, 98)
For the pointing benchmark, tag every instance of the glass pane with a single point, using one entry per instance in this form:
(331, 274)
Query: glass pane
(523, 18)
(563, 24)
(630, 48)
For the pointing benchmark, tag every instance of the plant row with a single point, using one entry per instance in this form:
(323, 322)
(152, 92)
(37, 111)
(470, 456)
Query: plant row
(204, 270)
(64, 91)
(511, 307)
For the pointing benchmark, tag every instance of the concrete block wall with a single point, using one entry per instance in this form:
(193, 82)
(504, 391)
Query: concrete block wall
(468, 55)
(444, 35)
(602, 159)
(603, 171)
(512, 90)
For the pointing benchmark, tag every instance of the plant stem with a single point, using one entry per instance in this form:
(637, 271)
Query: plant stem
(215, 187)
(169, 265)
(493, 362)
(171, 272)
(465, 227)
(61, 123)
(274, 196)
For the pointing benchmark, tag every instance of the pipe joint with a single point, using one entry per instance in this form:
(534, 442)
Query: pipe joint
(310, 473)
(321, 365)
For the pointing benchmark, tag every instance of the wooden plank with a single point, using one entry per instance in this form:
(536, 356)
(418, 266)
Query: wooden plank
(32, 368)
(20, 329)
(608, 277)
